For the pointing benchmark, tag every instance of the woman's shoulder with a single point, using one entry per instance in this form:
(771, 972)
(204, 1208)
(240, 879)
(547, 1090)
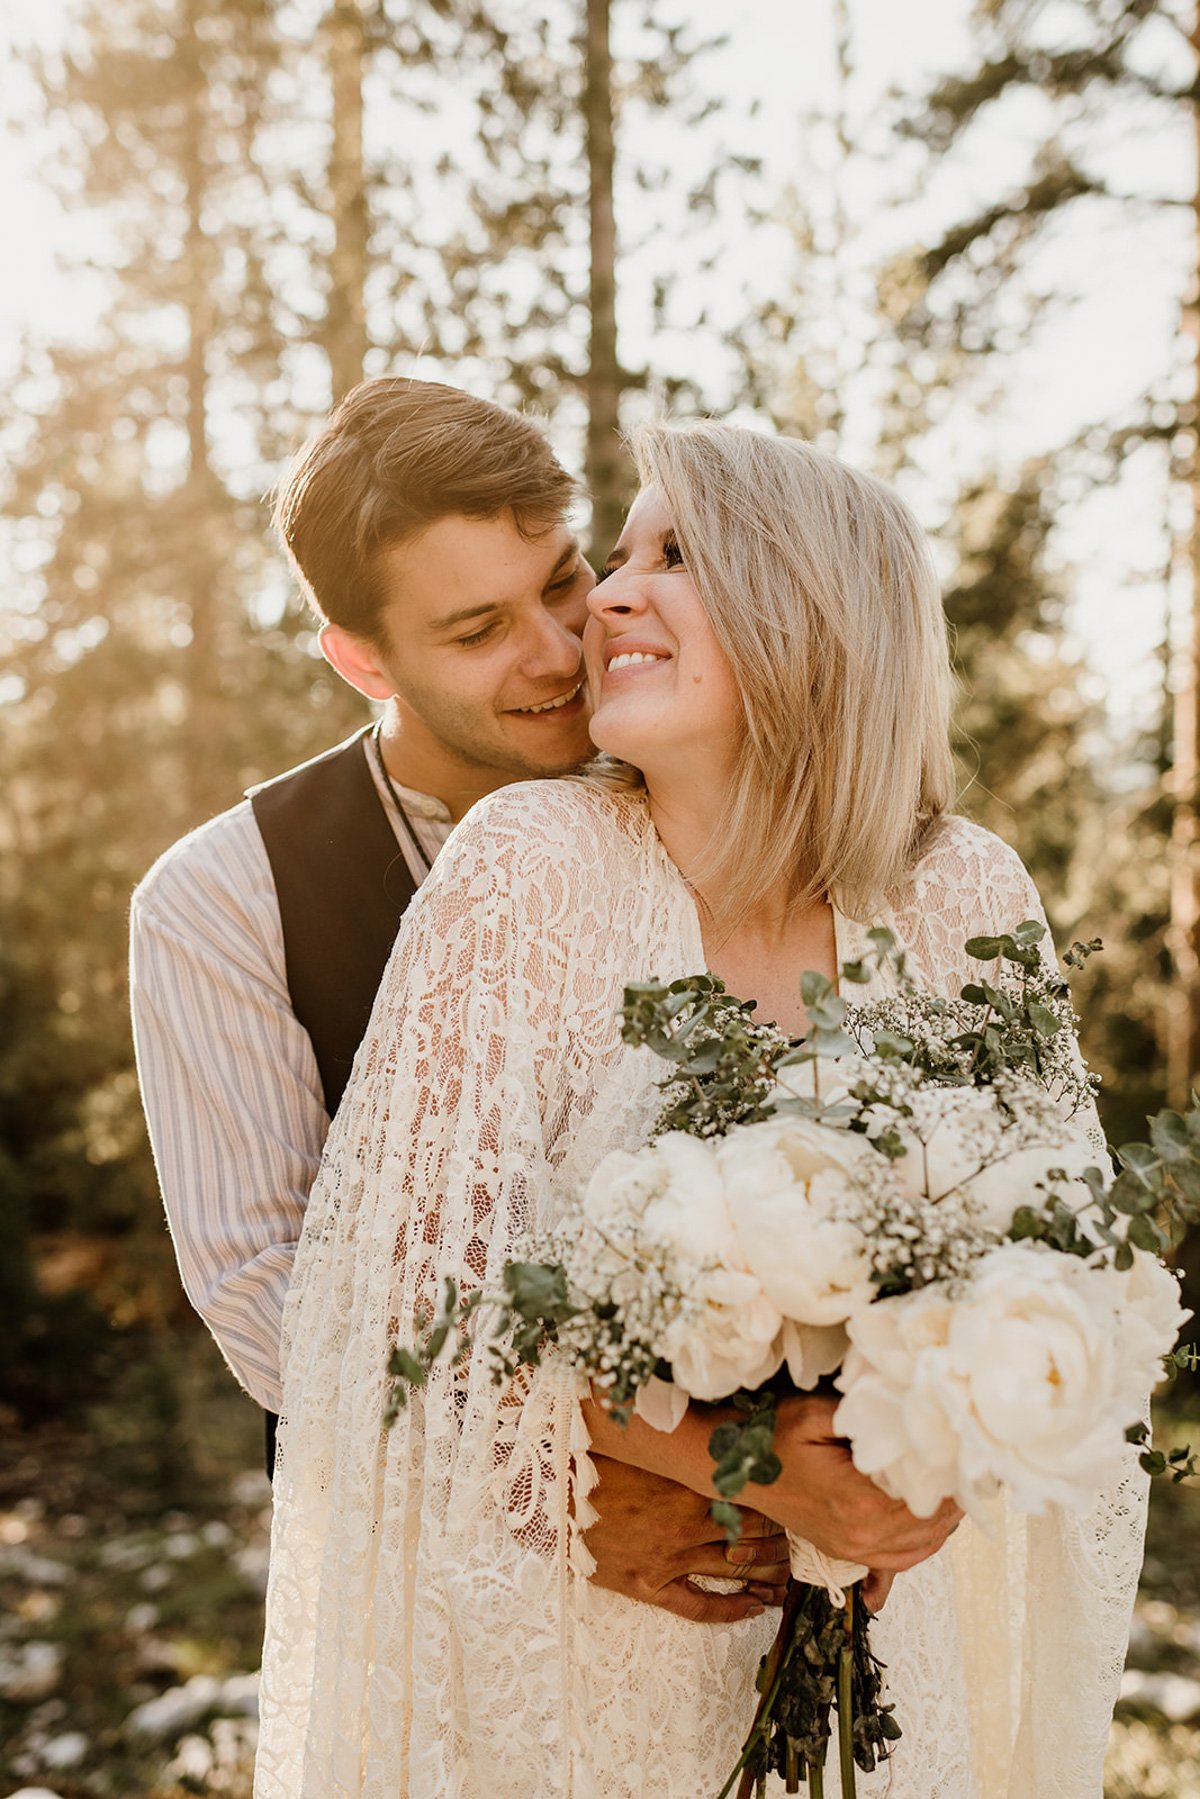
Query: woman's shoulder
(966, 869)
(532, 829)
(959, 849)
(542, 811)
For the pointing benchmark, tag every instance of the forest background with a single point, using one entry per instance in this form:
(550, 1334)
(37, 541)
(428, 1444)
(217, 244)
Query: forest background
(955, 242)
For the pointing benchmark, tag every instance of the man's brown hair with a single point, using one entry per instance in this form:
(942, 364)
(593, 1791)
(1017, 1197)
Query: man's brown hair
(394, 457)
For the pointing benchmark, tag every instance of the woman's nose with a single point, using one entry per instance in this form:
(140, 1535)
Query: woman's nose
(616, 595)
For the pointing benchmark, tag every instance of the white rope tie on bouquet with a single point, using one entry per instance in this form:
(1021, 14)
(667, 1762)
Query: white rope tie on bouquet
(816, 1569)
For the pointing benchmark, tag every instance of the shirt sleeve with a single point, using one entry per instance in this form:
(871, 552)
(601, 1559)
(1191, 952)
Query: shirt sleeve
(230, 1086)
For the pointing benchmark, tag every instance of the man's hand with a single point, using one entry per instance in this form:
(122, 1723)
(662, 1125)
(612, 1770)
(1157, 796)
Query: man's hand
(821, 1496)
(652, 1537)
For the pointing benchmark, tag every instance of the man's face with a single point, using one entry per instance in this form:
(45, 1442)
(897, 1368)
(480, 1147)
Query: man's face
(481, 648)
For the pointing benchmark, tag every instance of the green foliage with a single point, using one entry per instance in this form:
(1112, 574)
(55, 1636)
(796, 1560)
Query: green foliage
(410, 1368)
(1181, 1462)
(743, 1449)
(722, 1062)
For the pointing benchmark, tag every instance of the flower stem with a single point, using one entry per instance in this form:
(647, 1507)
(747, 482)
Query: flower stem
(769, 1679)
(845, 1704)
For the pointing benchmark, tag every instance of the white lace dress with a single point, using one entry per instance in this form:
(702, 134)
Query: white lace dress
(429, 1632)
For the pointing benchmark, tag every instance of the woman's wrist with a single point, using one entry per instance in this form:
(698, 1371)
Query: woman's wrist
(681, 1455)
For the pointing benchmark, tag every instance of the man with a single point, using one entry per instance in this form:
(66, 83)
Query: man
(428, 529)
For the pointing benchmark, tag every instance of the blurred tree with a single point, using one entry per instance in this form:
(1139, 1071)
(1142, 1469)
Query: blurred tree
(824, 359)
(1021, 722)
(1073, 77)
(344, 328)
(272, 198)
(604, 473)
(148, 665)
(542, 255)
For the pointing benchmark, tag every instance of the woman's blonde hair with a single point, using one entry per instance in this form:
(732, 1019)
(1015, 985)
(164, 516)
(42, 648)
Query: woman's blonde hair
(821, 591)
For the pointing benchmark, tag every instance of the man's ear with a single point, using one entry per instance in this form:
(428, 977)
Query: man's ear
(356, 660)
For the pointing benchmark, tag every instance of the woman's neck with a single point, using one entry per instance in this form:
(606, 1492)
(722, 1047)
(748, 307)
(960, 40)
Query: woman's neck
(685, 815)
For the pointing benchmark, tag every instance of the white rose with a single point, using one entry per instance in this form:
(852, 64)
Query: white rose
(727, 1335)
(780, 1179)
(1019, 1379)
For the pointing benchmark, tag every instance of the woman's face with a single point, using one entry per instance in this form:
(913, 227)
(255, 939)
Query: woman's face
(662, 693)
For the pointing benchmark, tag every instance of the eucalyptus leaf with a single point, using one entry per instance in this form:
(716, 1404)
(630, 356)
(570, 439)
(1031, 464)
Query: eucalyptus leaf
(1171, 1137)
(1145, 1234)
(1139, 1158)
(982, 949)
(1043, 1019)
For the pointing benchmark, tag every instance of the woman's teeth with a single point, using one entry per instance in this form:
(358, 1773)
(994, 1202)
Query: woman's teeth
(631, 658)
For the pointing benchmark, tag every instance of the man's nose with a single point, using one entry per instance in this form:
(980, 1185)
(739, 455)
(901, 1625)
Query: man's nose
(558, 648)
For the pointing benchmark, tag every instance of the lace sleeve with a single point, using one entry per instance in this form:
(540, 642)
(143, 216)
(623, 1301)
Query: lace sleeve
(972, 884)
(1058, 1590)
(494, 1021)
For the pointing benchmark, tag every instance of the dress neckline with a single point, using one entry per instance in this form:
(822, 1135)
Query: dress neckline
(687, 897)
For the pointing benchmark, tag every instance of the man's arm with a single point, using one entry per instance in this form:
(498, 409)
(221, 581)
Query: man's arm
(229, 1083)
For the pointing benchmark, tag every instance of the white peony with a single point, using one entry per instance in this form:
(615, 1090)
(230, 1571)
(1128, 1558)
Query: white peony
(661, 1404)
(961, 1140)
(689, 1213)
(727, 1335)
(824, 1080)
(1146, 1298)
(621, 1187)
(813, 1350)
(783, 1180)
(670, 1199)
(1027, 1376)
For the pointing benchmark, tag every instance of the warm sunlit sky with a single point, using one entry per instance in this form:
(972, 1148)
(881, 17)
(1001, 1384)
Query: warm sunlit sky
(1096, 360)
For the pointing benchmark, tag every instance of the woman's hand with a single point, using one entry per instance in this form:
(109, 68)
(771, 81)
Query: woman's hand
(820, 1495)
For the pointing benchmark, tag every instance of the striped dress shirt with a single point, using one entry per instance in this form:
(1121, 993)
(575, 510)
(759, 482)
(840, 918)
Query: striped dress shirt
(228, 1076)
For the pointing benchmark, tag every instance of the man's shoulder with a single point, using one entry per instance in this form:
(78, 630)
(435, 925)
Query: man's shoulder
(314, 768)
(227, 854)
(224, 856)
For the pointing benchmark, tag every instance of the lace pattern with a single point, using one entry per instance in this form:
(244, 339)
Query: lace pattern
(429, 1632)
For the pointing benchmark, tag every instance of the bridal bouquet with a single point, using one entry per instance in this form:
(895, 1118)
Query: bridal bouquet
(904, 1205)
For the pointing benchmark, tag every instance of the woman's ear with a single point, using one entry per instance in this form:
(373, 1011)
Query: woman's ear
(357, 661)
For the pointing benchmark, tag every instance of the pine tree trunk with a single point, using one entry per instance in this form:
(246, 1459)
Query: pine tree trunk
(1183, 1018)
(345, 332)
(604, 470)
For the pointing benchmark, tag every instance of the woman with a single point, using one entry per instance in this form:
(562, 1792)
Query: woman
(768, 671)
